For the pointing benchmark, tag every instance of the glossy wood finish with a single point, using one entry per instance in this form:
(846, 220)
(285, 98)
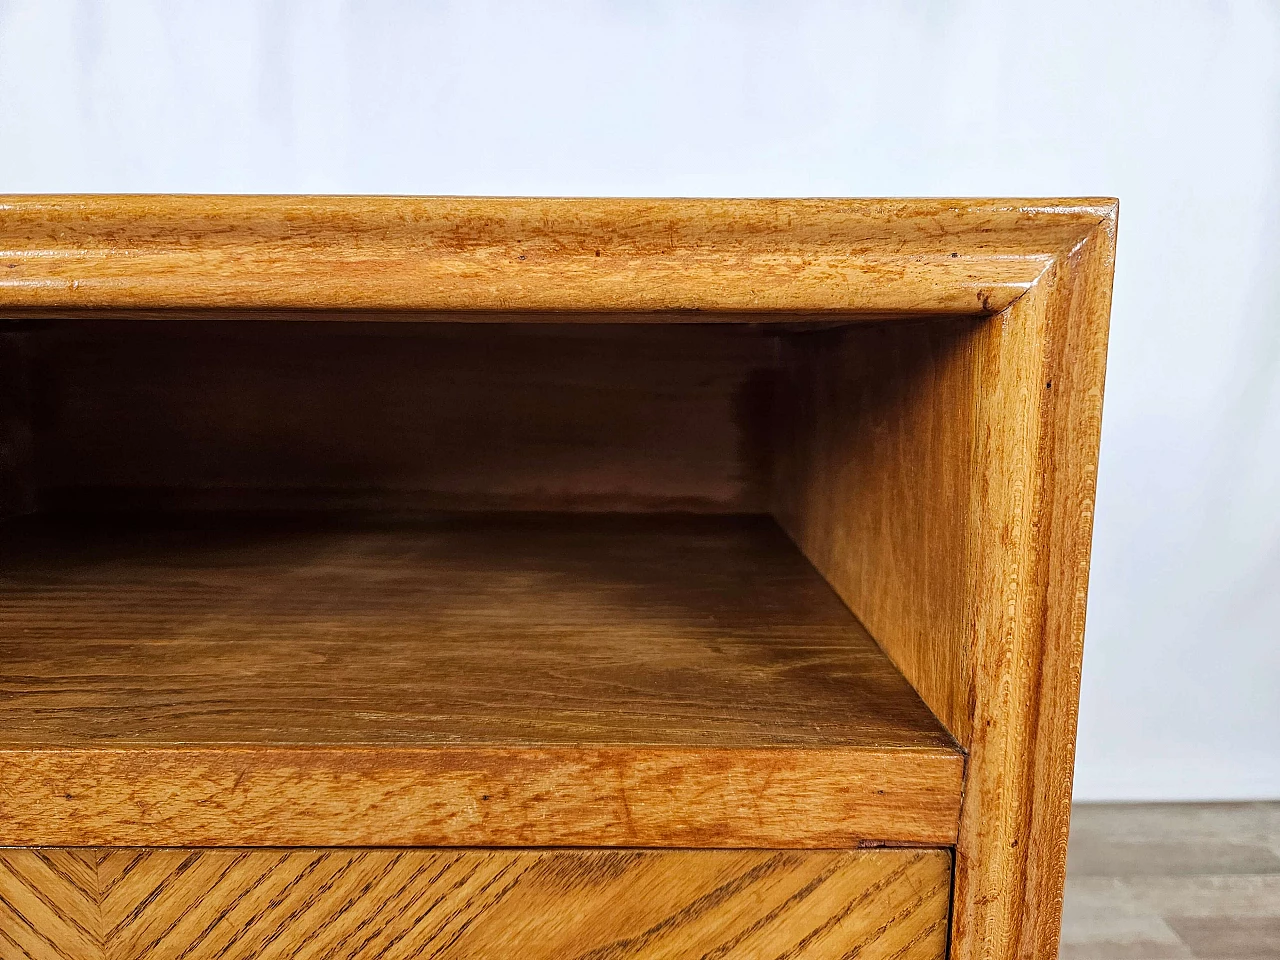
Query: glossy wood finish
(490, 680)
(458, 905)
(626, 258)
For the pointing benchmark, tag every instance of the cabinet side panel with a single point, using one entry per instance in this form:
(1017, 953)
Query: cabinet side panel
(873, 477)
(943, 481)
(1041, 389)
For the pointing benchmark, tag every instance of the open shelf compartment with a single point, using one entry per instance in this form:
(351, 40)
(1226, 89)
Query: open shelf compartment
(523, 579)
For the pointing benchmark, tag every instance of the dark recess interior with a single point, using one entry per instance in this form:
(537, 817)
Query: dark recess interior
(226, 414)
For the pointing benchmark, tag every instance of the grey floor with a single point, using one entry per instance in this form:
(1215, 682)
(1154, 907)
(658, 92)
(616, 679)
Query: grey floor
(1173, 881)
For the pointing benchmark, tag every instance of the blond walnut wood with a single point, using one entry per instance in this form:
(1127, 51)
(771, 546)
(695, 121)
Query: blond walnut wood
(693, 258)
(450, 904)
(475, 679)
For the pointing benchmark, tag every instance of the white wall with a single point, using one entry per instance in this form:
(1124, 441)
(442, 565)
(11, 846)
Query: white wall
(1174, 107)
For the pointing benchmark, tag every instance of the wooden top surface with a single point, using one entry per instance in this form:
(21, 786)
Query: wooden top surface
(493, 630)
(666, 259)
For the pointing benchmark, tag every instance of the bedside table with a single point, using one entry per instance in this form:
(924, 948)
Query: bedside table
(442, 577)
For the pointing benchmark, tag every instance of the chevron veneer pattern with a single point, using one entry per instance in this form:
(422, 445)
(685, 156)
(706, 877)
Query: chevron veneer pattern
(229, 904)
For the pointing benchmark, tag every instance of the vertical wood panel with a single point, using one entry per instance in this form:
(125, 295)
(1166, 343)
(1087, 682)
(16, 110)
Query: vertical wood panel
(1041, 395)
(943, 480)
(874, 472)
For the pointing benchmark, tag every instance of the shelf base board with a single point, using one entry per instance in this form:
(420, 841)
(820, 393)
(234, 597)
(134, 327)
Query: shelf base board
(664, 681)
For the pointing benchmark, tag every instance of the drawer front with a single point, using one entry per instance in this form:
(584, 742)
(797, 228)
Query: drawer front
(129, 904)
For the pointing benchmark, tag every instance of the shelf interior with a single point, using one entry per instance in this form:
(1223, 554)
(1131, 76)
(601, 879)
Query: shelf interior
(461, 629)
(291, 583)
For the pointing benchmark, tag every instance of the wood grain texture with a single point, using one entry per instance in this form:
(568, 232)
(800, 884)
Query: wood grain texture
(470, 679)
(874, 470)
(405, 417)
(1043, 367)
(941, 477)
(362, 904)
(939, 474)
(64, 255)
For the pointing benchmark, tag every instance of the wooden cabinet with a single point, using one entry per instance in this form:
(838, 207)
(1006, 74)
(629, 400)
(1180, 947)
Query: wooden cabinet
(579, 578)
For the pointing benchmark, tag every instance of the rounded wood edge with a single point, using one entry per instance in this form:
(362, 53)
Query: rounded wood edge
(81, 255)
